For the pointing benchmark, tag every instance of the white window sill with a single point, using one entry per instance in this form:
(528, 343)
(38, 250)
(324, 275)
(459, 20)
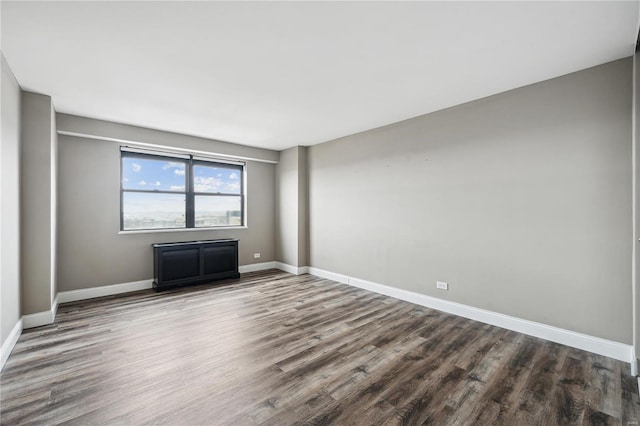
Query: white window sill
(156, 231)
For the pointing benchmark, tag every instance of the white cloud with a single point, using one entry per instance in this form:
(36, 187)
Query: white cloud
(233, 186)
(157, 183)
(233, 176)
(136, 167)
(207, 184)
(143, 183)
(179, 172)
(177, 187)
(219, 175)
(125, 180)
(172, 165)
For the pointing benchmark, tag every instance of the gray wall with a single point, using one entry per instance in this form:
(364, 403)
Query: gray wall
(520, 201)
(10, 201)
(92, 253)
(286, 207)
(303, 207)
(291, 207)
(53, 135)
(38, 203)
(636, 237)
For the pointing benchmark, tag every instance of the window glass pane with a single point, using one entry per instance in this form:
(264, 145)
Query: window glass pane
(217, 179)
(142, 210)
(153, 175)
(218, 211)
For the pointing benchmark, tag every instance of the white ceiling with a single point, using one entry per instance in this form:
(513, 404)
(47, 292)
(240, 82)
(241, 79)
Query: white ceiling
(275, 75)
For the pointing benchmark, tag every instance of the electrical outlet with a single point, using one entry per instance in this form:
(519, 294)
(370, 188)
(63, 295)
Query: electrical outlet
(256, 255)
(442, 285)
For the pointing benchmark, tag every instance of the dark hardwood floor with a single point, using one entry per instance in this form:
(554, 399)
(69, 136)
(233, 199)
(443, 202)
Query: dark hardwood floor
(274, 348)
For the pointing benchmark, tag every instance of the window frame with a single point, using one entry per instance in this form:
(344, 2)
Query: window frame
(190, 161)
(197, 161)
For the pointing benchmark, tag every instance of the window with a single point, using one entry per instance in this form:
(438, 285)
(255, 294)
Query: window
(174, 191)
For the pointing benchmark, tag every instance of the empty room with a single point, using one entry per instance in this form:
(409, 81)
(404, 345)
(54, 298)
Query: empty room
(336, 213)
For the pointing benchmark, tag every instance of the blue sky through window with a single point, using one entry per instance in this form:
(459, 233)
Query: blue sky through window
(158, 175)
(150, 175)
(216, 179)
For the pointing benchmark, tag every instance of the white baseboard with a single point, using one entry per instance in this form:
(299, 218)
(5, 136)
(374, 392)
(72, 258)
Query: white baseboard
(54, 308)
(9, 343)
(329, 275)
(243, 269)
(38, 319)
(616, 350)
(109, 290)
(41, 318)
(297, 270)
(105, 290)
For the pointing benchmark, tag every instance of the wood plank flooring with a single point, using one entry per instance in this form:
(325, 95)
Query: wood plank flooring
(278, 349)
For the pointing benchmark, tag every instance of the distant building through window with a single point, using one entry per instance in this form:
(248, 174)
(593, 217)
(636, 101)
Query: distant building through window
(175, 191)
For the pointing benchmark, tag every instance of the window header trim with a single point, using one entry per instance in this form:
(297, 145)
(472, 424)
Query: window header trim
(134, 150)
(144, 151)
(129, 142)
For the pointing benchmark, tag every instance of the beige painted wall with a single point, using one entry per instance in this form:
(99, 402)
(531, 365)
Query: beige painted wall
(38, 203)
(93, 254)
(520, 201)
(10, 201)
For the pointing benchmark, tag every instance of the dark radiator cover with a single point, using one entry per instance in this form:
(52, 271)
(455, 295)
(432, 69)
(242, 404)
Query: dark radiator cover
(194, 262)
